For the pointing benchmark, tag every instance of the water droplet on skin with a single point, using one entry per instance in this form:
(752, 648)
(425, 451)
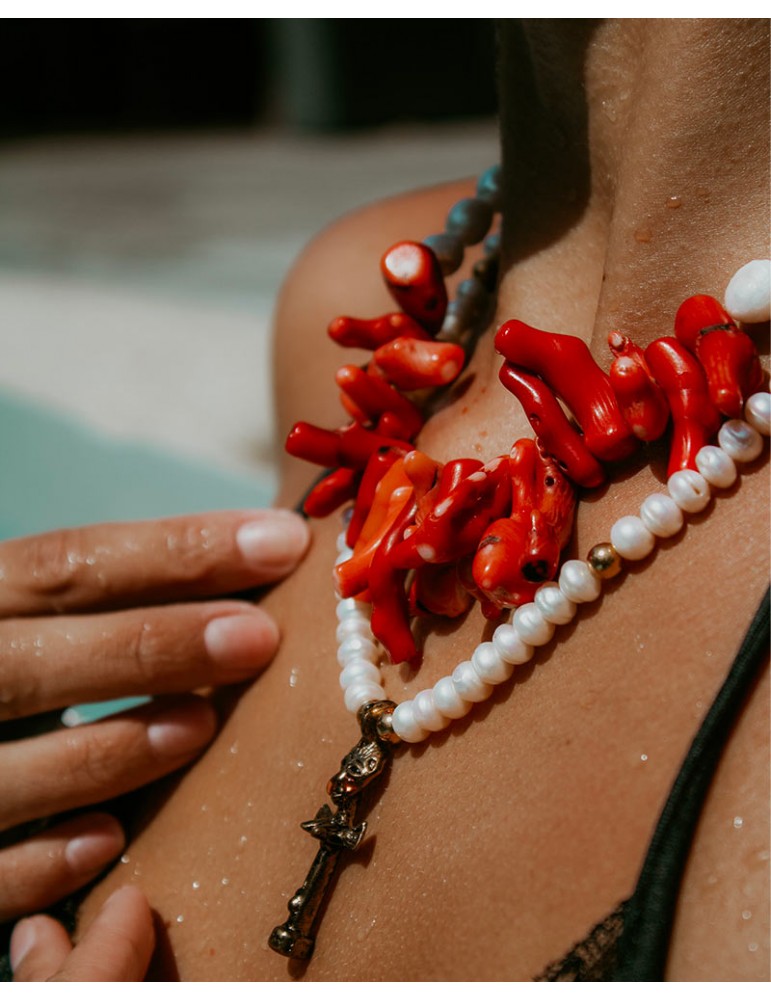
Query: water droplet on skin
(366, 929)
(746, 914)
(180, 918)
(711, 879)
(196, 885)
(674, 202)
(124, 859)
(299, 764)
(225, 881)
(643, 757)
(294, 676)
(609, 110)
(234, 748)
(204, 808)
(738, 822)
(643, 235)
(752, 946)
(242, 839)
(764, 855)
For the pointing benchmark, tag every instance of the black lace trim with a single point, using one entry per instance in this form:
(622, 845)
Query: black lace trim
(592, 960)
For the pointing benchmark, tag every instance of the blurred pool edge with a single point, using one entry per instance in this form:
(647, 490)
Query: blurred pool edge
(56, 472)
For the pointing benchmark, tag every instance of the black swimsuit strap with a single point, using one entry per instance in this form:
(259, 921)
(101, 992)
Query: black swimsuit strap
(649, 913)
(632, 943)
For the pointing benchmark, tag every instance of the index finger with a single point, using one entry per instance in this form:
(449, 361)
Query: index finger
(110, 566)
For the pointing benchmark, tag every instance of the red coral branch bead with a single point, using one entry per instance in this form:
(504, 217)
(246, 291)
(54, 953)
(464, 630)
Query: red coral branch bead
(695, 419)
(373, 333)
(455, 524)
(331, 492)
(392, 495)
(414, 278)
(438, 590)
(350, 446)
(420, 364)
(519, 553)
(378, 465)
(642, 401)
(727, 355)
(556, 435)
(390, 621)
(516, 555)
(374, 397)
(567, 366)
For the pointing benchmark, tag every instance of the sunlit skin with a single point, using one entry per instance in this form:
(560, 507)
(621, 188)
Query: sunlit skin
(499, 843)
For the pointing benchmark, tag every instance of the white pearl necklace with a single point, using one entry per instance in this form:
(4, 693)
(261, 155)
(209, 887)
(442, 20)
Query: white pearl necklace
(633, 537)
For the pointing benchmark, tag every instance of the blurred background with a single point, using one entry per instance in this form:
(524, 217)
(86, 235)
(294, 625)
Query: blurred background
(157, 178)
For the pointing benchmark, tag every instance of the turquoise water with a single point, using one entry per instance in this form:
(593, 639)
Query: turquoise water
(56, 473)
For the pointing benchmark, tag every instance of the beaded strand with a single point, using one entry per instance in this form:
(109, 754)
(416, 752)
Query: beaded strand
(632, 538)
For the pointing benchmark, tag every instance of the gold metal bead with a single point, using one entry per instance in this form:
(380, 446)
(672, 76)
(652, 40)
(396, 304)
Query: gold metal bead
(605, 561)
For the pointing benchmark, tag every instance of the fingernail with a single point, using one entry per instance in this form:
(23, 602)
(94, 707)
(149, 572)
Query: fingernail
(179, 731)
(240, 644)
(274, 543)
(22, 941)
(117, 898)
(95, 847)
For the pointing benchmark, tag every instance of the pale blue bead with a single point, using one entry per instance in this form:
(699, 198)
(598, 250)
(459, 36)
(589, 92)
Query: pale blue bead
(472, 290)
(470, 220)
(447, 249)
(493, 244)
(489, 187)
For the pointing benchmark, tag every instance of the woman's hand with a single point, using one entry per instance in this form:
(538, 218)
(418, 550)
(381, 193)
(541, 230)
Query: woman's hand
(110, 611)
(116, 948)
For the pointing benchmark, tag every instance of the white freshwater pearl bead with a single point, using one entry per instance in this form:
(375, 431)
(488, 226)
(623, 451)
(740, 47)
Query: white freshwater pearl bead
(531, 625)
(758, 412)
(469, 684)
(357, 648)
(631, 539)
(426, 712)
(359, 694)
(510, 645)
(554, 605)
(740, 441)
(349, 627)
(405, 725)
(578, 582)
(349, 607)
(716, 467)
(661, 515)
(448, 701)
(748, 295)
(360, 672)
(490, 665)
(689, 489)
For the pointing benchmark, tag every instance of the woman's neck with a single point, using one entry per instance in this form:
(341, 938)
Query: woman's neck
(657, 177)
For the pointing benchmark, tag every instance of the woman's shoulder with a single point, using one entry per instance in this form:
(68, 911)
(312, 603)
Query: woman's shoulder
(338, 273)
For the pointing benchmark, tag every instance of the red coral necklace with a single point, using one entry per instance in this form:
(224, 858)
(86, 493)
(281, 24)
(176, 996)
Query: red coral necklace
(425, 538)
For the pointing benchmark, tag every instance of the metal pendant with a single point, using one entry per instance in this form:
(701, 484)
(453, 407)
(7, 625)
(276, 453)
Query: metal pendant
(337, 831)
